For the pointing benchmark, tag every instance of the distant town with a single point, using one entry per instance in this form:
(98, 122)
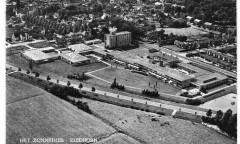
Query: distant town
(173, 59)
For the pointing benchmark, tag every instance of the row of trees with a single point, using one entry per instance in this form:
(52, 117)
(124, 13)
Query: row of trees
(150, 93)
(78, 76)
(227, 121)
(63, 93)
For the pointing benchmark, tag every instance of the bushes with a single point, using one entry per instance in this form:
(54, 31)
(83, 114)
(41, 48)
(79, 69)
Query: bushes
(116, 85)
(63, 92)
(150, 93)
(193, 101)
(77, 76)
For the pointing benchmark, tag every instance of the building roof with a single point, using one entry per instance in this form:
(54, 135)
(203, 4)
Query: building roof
(209, 78)
(92, 41)
(208, 23)
(119, 33)
(80, 47)
(130, 58)
(74, 57)
(37, 55)
(193, 68)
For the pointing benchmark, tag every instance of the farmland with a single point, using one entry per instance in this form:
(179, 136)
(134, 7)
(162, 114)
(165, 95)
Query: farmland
(139, 124)
(41, 114)
(128, 78)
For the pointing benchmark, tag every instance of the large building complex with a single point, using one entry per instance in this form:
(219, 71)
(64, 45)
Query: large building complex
(120, 39)
(202, 78)
(166, 74)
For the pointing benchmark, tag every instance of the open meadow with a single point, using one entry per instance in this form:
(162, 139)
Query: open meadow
(139, 124)
(42, 115)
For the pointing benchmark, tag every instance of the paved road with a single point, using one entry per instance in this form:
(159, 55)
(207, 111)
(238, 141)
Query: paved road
(168, 106)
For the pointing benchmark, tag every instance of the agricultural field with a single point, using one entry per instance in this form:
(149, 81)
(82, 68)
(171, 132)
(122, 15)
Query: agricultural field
(40, 44)
(139, 124)
(43, 115)
(16, 90)
(182, 31)
(128, 78)
(58, 68)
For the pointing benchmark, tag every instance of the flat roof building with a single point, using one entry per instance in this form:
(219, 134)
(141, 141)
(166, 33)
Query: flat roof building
(80, 48)
(202, 77)
(37, 56)
(74, 59)
(177, 78)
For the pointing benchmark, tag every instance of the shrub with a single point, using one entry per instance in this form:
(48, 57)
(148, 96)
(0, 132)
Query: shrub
(193, 101)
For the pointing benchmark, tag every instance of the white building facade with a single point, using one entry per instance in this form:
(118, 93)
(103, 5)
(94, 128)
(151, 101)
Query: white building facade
(120, 39)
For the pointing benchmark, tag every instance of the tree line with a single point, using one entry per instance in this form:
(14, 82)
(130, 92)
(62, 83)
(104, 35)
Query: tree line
(227, 121)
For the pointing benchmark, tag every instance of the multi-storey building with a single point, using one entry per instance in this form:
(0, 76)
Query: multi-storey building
(120, 39)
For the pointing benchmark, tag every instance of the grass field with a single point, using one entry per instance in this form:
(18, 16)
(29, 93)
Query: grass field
(45, 116)
(58, 68)
(182, 31)
(139, 124)
(128, 78)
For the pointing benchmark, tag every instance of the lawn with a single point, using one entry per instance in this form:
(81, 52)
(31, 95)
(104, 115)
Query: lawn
(57, 69)
(182, 31)
(138, 124)
(128, 78)
(16, 50)
(46, 116)
(40, 44)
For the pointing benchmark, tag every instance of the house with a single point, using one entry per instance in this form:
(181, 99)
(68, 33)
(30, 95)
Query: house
(197, 22)
(208, 25)
(189, 18)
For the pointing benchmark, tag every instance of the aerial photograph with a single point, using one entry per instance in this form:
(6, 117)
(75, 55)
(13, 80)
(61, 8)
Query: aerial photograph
(120, 71)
